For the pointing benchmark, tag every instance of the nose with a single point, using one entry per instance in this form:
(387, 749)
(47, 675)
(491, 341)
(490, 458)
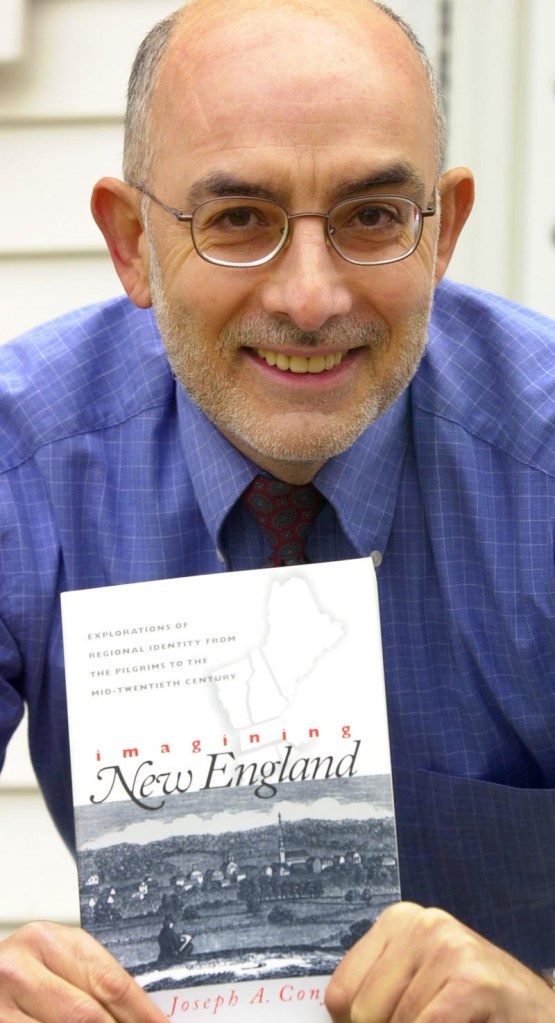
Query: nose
(307, 281)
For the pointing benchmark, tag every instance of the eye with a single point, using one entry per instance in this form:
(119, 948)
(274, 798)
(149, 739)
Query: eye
(375, 215)
(242, 217)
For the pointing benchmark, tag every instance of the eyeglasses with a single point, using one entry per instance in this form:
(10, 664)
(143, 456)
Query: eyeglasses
(241, 231)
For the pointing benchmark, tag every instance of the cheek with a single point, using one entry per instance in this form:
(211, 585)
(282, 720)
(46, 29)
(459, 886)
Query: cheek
(174, 253)
(215, 295)
(400, 290)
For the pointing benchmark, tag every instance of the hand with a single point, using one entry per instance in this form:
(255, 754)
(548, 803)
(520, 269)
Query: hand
(420, 965)
(50, 973)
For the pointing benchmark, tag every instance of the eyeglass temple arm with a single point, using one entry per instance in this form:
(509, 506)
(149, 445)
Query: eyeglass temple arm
(183, 217)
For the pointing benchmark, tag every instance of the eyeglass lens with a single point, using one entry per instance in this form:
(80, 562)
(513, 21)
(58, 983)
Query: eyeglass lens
(370, 230)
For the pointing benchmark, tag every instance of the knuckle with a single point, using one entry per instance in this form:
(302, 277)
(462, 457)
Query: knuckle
(336, 998)
(400, 914)
(17, 972)
(438, 919)
(36, 937)
(112, 985)
(400, 918)
(37, 933)
(446, 937)
(12, 972)
(440, 928)
(14, 960)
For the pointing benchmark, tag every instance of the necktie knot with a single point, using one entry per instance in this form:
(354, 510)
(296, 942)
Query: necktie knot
(285, 513)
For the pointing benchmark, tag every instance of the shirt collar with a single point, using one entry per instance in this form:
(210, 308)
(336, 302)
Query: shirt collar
(361, 483)
(219, 472)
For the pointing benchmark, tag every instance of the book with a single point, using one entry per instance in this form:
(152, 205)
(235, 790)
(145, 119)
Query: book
(232, 783)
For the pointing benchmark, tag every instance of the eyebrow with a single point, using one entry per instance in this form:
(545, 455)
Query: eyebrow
(400, 176)
(217, 186)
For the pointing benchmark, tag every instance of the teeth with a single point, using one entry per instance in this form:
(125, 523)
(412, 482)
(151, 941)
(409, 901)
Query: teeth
(300, 364)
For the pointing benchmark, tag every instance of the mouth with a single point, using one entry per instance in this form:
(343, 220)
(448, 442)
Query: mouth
(300, 363)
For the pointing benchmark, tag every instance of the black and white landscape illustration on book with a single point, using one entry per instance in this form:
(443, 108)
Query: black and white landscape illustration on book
(282, 896)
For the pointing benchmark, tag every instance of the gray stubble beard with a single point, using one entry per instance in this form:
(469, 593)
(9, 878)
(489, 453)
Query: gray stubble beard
(230, 411)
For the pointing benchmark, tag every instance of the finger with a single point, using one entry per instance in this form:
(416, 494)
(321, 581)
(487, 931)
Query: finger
(45, 998)
(475, 982)
(29, 991)
(13, 1014)
(428, 960)
(391, 967)
(423, 966)
(47, 967)
(366, 966)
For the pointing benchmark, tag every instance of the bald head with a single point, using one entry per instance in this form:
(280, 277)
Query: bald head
(198, 17)
(309, 118)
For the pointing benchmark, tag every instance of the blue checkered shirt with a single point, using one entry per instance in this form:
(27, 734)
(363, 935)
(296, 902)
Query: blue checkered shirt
(109, 474)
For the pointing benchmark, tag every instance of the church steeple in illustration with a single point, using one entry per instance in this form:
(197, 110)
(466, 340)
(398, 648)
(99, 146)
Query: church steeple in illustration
(281, 846)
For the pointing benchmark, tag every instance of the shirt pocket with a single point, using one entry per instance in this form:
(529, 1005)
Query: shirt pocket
(485, 852)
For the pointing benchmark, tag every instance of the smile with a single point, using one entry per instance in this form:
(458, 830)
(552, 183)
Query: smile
(300, 364)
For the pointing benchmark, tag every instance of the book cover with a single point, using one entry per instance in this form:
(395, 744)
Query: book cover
(231, 779)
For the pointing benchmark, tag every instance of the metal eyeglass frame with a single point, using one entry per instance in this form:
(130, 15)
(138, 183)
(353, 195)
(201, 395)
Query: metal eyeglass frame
(187, 218)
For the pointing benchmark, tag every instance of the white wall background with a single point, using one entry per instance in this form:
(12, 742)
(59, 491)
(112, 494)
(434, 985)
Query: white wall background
(62, 89)
(63, 70)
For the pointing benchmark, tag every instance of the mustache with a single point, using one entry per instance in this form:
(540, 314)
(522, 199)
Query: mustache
(260, 332)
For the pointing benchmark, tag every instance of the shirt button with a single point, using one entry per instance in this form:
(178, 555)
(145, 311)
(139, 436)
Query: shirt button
(377, 558)
(220, 556)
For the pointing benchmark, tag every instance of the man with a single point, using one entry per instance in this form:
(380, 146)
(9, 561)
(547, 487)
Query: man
(293, 338)
(170, 943)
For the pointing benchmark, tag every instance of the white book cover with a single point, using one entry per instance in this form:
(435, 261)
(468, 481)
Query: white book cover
(232, 782)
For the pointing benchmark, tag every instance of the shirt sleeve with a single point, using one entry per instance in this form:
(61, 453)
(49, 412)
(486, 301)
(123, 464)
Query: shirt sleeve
(23, 582)
(11, 700)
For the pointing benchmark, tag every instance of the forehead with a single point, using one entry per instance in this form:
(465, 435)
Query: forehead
(293, 96)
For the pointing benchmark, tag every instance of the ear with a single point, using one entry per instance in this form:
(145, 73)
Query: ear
(116, 208)
(456, 188)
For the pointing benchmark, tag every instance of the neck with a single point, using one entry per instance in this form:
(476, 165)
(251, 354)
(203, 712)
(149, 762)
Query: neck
(296, 472)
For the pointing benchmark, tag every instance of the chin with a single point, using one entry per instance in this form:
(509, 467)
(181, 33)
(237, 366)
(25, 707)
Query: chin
(304, 444)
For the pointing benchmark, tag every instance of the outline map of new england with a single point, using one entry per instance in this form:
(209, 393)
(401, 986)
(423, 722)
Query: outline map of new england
(267, 680)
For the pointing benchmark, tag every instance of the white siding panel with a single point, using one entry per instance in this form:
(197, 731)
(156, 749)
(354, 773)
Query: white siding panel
(38, 878)
(11, 36)
(33, 290)
(486, 77)
(77, 57)
(537, 245)
(45, 185)
(17, 772)
(31, 886)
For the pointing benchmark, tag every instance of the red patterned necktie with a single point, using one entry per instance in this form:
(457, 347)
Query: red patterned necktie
(285, 513)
